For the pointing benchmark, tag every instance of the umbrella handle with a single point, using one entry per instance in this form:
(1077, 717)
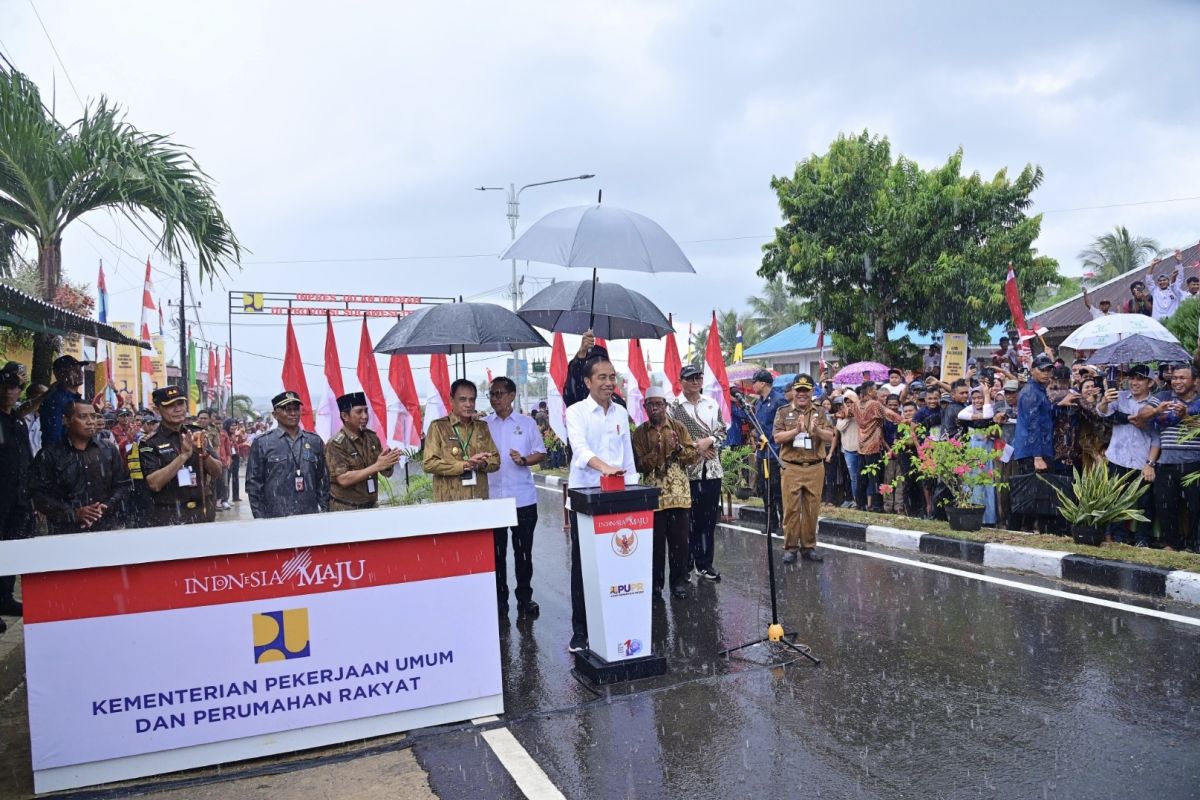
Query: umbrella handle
(592, 315)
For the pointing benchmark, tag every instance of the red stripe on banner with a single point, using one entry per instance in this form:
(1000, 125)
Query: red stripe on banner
(189, 583)
(634, 520)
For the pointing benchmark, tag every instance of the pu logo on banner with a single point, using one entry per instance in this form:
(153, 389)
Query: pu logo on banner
(625, 542)
(281, 635)
(252, 301)
(629, 647)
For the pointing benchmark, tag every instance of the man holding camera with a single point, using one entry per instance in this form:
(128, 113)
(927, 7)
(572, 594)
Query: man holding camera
(178, 465)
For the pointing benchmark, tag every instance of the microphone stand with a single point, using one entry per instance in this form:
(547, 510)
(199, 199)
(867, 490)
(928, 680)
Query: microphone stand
(775, 633)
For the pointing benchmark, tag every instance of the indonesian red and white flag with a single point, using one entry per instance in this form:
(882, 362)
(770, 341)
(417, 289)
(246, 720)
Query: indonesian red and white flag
(329, 420)
(368, 378)
(638, 383)
(293, 377)
(555, 404)
(437, 405)
(716, 381)
(406, 416)
(1013, 294)
(227, 377)
(147, 368)
(671, 362)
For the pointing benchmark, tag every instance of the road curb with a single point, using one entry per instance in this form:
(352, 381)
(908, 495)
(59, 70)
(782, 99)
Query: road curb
(1062, 564)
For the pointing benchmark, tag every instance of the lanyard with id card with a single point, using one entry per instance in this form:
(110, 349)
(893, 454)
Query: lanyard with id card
(469, 478)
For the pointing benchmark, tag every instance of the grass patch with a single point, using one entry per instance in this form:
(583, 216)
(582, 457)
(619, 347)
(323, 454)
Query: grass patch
(559, 471)
(1042, 541)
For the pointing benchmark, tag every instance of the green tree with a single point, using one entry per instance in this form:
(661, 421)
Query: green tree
(1055, 292)
(242, 407)
(1184, 323)
(775, 309)
(52, 174)
(1116, 253)
(872, 242)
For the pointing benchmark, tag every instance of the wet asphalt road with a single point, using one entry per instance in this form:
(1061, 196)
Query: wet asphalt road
(932, 686)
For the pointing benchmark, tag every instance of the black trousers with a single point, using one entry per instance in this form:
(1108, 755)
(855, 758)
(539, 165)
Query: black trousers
(235, 464)
(1177, 507)
(522, 541)
(578, 604)
(670, 544)
(867, 494)
(706, 507)
(775, 505)
(16, 522)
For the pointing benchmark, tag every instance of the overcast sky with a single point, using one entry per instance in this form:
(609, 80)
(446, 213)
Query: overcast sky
(349, 131)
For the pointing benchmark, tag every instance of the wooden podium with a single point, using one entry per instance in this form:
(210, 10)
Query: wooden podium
(616, 546)
(159, 649)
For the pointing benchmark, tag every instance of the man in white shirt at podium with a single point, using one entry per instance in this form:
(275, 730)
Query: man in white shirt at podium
(598, 432)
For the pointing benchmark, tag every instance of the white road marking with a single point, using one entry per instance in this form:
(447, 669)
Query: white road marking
(1096, 601)
(485, 720)
(529, 777)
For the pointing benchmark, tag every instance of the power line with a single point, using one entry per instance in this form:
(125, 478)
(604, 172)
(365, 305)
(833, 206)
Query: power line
(56, 55)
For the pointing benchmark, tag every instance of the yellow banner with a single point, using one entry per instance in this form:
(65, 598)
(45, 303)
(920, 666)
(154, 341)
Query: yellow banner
(954, 357)
(158, 362)
(72, 345)
(127, 364)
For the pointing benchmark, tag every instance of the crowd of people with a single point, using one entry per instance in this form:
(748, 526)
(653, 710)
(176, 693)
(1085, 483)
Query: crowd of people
(1050, 418)
(67, 467)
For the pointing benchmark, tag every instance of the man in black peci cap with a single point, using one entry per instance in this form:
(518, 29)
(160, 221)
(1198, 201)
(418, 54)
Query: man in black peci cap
(178, 465)
(356, 458)
(285, 471)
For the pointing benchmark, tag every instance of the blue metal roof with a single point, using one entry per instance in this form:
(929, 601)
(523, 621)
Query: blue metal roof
(803, 336)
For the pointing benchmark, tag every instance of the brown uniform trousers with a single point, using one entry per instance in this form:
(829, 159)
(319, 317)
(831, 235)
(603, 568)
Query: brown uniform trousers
(802, 479)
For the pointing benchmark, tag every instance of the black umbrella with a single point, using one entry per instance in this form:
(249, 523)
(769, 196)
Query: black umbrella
(460, 328)
(618, 313)
(1139, 349)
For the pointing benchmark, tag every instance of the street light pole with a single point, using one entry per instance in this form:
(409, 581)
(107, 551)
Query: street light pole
(513, 214)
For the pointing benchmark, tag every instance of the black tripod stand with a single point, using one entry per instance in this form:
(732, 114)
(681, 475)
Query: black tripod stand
(775, 633)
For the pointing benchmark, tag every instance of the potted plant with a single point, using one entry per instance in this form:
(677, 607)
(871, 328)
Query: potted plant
(736, 465)
(961, 468)
(1100, 499)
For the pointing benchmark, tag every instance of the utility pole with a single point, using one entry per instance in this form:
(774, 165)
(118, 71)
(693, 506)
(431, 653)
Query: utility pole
(513, 213)
(183, 354)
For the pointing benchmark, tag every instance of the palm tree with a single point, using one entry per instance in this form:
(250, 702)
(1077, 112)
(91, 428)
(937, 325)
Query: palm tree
(776, 309)
(52, 174)
(241, 407)
(1116, 253)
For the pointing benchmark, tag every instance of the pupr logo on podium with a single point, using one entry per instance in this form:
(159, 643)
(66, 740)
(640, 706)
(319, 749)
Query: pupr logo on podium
(616, 536)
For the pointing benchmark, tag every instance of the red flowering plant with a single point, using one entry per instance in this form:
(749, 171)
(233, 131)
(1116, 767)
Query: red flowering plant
(955, 463)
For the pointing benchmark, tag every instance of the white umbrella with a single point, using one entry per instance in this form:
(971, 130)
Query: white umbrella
(599, 236)
(1110, 329)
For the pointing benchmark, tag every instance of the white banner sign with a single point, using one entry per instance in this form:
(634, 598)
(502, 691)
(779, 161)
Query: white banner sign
(616, 555)
(150, 657)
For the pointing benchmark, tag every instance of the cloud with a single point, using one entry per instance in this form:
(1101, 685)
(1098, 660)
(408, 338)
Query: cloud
(360, 131)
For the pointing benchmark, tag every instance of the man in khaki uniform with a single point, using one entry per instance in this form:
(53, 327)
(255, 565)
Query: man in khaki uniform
(356, 458)
(459, 451)
(803, 434)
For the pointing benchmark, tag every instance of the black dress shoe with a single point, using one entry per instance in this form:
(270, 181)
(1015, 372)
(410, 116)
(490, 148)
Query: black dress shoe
(789, 557)
(11, 608)
(811, 555)
(529, 609)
